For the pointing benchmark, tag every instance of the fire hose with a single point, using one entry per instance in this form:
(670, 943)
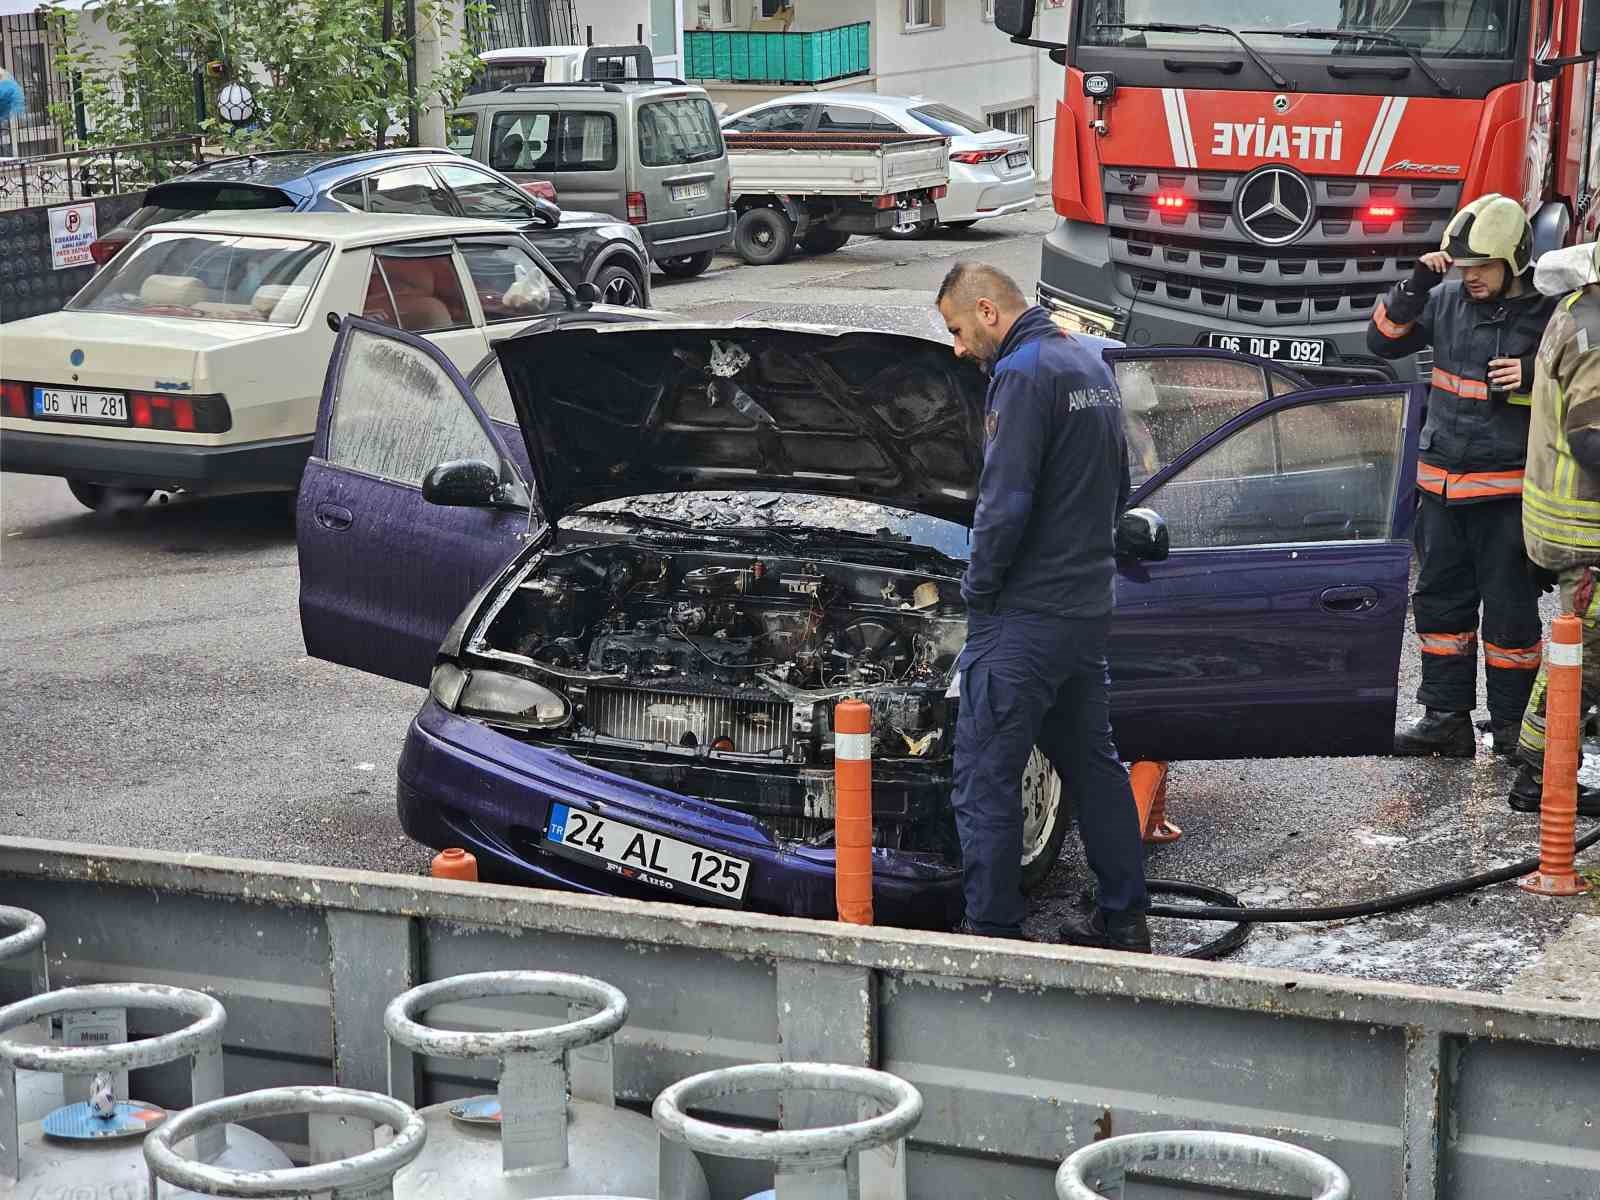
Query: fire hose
(1221, 906)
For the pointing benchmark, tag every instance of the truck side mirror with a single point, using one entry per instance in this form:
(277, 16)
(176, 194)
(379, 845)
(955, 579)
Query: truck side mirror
(1142, 536)
(1015, 17)
(1589, 28)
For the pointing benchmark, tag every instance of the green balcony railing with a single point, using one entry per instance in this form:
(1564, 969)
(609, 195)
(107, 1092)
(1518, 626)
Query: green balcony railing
(743, 56)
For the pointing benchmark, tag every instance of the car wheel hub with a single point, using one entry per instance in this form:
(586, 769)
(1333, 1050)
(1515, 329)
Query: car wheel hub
(1041, 805)
(621, 292)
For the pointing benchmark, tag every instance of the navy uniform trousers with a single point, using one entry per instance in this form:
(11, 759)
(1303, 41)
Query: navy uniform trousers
(1029, 679)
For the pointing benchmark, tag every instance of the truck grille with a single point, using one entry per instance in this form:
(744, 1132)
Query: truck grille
(755, 726)
(1199, 258)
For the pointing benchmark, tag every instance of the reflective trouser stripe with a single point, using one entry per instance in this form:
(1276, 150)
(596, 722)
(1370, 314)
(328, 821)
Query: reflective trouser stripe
(1448, 644)
(1581, 597)
(1511, 658)
(1388, 328)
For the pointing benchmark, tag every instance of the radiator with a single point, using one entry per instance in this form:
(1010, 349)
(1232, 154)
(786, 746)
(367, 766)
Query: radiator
(689, 719)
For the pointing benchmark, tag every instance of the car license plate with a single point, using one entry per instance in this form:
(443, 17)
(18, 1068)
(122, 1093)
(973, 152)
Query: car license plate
(690, 191)
(1017, 160)
(644, 857)
(1304, 352)
(63, 404)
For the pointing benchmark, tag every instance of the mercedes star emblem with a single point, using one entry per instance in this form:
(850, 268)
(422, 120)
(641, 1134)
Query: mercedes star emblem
(1274, 205)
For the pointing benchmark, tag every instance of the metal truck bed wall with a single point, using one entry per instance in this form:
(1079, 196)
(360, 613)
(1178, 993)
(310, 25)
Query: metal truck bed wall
(855, 164)
(1022, 1052)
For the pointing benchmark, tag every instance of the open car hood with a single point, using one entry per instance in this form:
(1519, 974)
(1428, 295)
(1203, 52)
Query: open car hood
(626, 410)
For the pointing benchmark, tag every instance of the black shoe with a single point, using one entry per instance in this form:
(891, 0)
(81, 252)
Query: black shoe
(1107, 931)
(967, 928)
(1507, 736)
(1527, 791)
(1447, 734)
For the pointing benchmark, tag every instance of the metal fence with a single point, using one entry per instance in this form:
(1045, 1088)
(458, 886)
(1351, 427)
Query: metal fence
(1022, 1053)
(103, 171)
(511, 23)
(28, 51)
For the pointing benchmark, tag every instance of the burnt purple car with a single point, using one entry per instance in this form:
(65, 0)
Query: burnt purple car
(628, 704)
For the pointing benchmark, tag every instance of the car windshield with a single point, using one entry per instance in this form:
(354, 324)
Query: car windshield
(208, 277)
(750, 514)
(678, 131)
(1437, 28)
(951, 122)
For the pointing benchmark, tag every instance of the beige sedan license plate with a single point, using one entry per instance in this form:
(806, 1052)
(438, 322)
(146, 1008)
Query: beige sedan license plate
(70, 404)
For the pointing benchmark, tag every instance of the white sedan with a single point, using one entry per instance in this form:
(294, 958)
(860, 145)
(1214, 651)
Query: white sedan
(991, 171)
(195, 361)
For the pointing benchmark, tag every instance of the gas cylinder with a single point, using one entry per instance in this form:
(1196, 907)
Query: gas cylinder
(91, 1146)
(38, 1092)
(345, 1158)
(531, 1140)
(812, 1162)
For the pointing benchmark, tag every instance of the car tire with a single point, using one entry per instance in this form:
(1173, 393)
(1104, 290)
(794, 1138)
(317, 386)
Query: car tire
(911, 231)
(823, 240)
(959, 224)
(100, 498)
(1045, 817)
(763, 237)
(619, 286)
(686, 266)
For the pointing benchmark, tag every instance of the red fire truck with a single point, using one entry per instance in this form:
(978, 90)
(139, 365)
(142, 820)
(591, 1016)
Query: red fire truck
(1254, 174)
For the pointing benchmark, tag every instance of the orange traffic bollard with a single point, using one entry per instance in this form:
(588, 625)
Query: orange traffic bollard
(1149, 780)
(455, 864)
(1558, 809)
(852, 811)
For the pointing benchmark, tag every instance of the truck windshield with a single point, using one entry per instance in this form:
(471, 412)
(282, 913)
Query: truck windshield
(1436, 28)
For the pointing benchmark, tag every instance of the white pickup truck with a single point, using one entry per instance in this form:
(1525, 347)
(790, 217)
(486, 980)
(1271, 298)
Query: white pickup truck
(816, 189)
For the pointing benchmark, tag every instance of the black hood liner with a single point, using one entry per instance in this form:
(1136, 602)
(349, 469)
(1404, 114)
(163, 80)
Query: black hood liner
(629, 410)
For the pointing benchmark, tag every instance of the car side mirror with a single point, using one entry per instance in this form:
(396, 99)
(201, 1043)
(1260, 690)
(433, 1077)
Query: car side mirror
(1141, 536)
(588, 293)
(462, 483)
(546, 212)
(333, 321)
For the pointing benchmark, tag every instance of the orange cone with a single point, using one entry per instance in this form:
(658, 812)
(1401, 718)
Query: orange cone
(852, 811)
(1149, 780)
(1558, 808)
(455, 864)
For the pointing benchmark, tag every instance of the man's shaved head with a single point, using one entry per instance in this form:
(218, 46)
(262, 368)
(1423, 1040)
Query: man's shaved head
(979, 305)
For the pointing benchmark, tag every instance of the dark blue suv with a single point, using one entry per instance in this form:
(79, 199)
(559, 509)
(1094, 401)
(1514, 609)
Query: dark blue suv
(585, 247)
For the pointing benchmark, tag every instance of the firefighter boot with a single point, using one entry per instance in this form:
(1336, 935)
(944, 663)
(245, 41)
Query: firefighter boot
(1447, 734)
(1507, 736)
(1527, 790)
(1107, 931)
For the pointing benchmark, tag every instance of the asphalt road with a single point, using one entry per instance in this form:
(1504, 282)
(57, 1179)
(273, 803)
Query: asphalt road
(155, 692)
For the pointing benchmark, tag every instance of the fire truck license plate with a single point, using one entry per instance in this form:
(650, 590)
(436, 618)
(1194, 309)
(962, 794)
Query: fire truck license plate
(1305, 352)
(644, 857)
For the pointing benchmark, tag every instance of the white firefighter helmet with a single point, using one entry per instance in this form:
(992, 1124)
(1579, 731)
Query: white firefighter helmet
(1493, 228)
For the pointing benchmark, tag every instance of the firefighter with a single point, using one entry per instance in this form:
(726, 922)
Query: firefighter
(1561, 494)
(1484, 330)
(1038, 592)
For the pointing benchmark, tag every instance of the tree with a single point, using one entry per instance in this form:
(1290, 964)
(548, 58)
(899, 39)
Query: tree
(323, 72)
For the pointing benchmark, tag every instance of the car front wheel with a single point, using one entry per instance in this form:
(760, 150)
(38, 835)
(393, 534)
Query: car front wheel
(619, 286)
(763, 236)
(686, 266)
(1044, 821)
(100, 498)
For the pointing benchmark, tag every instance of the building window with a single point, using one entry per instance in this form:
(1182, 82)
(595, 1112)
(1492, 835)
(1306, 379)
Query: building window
(924, 14)
(1019, 121)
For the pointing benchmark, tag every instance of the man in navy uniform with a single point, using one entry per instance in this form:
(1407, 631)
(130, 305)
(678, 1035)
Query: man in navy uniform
(1038, 592)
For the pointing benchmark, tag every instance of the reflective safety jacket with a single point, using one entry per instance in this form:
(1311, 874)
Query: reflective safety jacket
(1561, 503)
(1475, 441)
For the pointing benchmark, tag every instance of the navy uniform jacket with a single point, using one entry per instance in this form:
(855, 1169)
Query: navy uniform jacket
(1055, 477)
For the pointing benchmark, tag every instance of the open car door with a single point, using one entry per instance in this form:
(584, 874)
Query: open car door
(1274, 627)
(385, 571)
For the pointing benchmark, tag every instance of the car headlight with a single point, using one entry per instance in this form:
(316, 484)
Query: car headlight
(447, 684)
(512, 700)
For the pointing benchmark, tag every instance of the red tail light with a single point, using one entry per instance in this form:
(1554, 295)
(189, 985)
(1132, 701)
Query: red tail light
(13, 398)
(974, 157)
(638, 212)
(104, 250)
(184, 413)
(542, 188)
(882, 202)
(940, 192)
(1172, 202)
